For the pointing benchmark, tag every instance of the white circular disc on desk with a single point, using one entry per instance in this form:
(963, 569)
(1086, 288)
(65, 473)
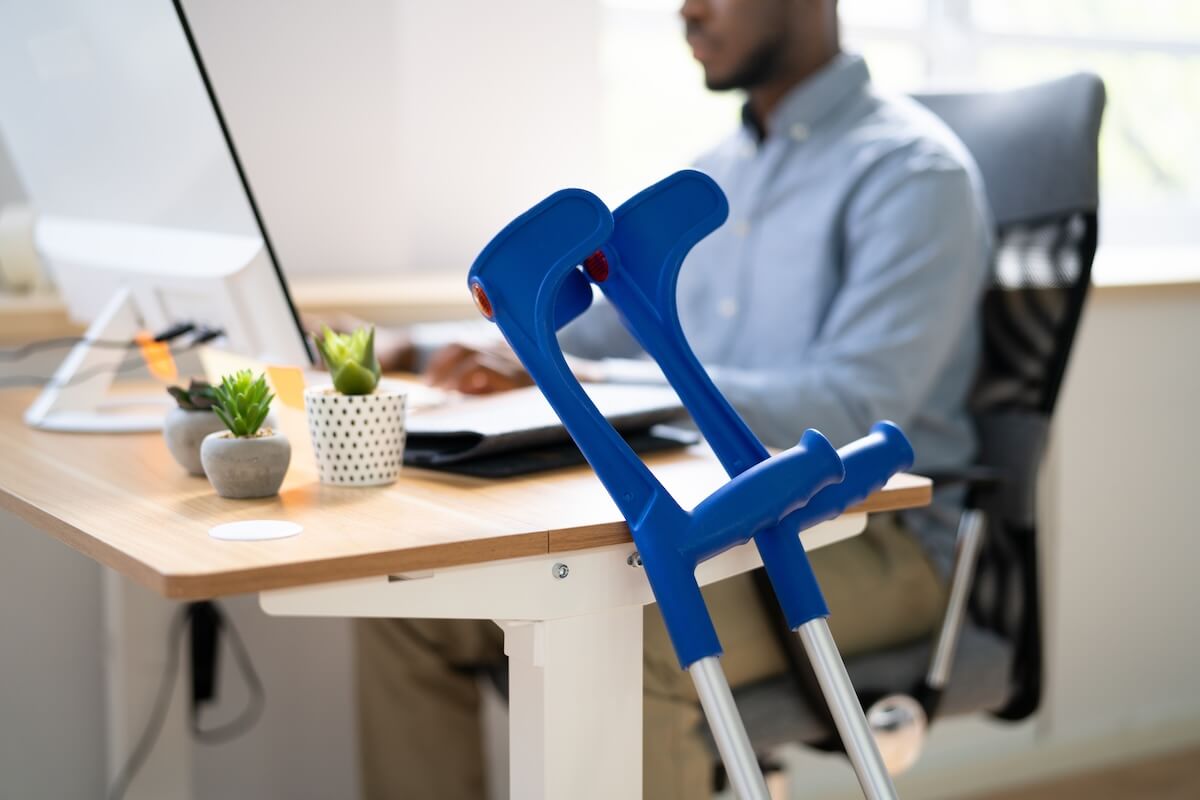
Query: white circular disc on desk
(255, 530)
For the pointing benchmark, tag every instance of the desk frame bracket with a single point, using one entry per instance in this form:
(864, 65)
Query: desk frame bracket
(520, 588)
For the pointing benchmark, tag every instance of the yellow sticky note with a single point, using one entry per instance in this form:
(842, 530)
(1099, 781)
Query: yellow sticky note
(288, 383)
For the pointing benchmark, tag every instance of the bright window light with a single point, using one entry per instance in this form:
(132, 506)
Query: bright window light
(658, 116)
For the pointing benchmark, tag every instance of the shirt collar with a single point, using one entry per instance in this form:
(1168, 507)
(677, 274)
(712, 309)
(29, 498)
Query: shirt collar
(811, 101)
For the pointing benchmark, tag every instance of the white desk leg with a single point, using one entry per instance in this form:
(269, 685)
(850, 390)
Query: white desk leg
(575, 710)
(136, 625)
(575, 656)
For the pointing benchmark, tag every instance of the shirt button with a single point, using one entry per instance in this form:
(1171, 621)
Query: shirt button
(727, 307)
(799, 131)
(741, 227)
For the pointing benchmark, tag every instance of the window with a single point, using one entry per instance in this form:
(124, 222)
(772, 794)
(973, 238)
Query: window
(1147, 52)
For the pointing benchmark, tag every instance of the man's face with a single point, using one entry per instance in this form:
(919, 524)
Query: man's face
(739, 43)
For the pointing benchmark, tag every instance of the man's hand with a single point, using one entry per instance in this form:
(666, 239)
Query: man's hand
(475, 370)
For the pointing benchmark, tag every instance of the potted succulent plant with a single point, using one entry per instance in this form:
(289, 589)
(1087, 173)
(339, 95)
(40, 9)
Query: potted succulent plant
(247, 460)
(189, 422)
(357, 427)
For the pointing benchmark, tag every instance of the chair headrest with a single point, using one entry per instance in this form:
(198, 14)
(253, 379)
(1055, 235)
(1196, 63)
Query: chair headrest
(1036, 146)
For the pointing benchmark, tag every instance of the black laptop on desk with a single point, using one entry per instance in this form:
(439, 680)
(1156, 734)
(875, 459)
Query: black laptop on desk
(517, 433)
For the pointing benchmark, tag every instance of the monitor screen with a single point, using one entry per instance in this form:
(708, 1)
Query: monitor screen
(105, 111)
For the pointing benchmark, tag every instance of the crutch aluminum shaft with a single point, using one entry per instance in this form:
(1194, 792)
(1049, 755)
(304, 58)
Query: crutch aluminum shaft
(727, 728)
(847, 712)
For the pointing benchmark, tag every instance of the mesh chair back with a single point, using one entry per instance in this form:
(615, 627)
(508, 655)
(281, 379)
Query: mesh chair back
(1036, 148)
(1041, 276)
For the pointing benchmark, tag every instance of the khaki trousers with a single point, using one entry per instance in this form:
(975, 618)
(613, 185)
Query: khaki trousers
(418, 690)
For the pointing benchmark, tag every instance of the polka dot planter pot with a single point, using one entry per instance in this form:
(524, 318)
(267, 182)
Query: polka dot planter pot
(358, 440)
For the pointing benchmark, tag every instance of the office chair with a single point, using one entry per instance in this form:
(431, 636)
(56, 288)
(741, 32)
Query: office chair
(1036, 148)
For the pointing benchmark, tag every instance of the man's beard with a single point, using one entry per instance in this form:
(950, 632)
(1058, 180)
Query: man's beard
(759, 67)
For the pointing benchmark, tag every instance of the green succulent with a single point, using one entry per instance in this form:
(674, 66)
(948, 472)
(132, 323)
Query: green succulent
(198, 396)
(242, 402)
(350, 358)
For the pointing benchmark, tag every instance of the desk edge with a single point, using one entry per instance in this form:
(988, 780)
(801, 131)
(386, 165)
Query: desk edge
(206, 585)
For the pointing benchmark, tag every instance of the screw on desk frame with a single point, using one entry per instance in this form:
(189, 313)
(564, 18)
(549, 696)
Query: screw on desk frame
(561, 570)
(635, 559)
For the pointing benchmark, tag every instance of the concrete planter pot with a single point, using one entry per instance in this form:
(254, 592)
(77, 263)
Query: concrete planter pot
(184, 430)
(250, 467)
(358, 440)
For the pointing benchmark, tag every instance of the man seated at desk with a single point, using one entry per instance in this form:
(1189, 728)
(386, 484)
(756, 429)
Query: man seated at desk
(842, 290)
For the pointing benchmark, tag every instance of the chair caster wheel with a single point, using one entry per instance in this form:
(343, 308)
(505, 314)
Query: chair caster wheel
(899, 724)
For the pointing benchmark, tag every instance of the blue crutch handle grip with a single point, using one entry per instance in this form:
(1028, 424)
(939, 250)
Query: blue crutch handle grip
(870, 462)
(761, 496)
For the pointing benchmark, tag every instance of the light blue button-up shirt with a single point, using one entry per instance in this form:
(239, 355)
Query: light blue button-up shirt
(844, 287)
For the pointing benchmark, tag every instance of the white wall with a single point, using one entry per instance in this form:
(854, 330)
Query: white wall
(52, 707)
(306, 744)
(51, 678)
(1124, 643)
(54, 724)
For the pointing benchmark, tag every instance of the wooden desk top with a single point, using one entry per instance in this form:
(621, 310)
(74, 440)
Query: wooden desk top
(123, 501)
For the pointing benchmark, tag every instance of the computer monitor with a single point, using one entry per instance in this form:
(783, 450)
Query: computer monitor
(145, 218)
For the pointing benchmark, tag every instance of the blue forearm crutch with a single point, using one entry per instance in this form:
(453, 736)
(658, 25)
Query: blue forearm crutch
(534, 277)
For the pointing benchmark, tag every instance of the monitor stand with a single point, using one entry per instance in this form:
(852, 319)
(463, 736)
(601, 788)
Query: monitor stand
(72, 404)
